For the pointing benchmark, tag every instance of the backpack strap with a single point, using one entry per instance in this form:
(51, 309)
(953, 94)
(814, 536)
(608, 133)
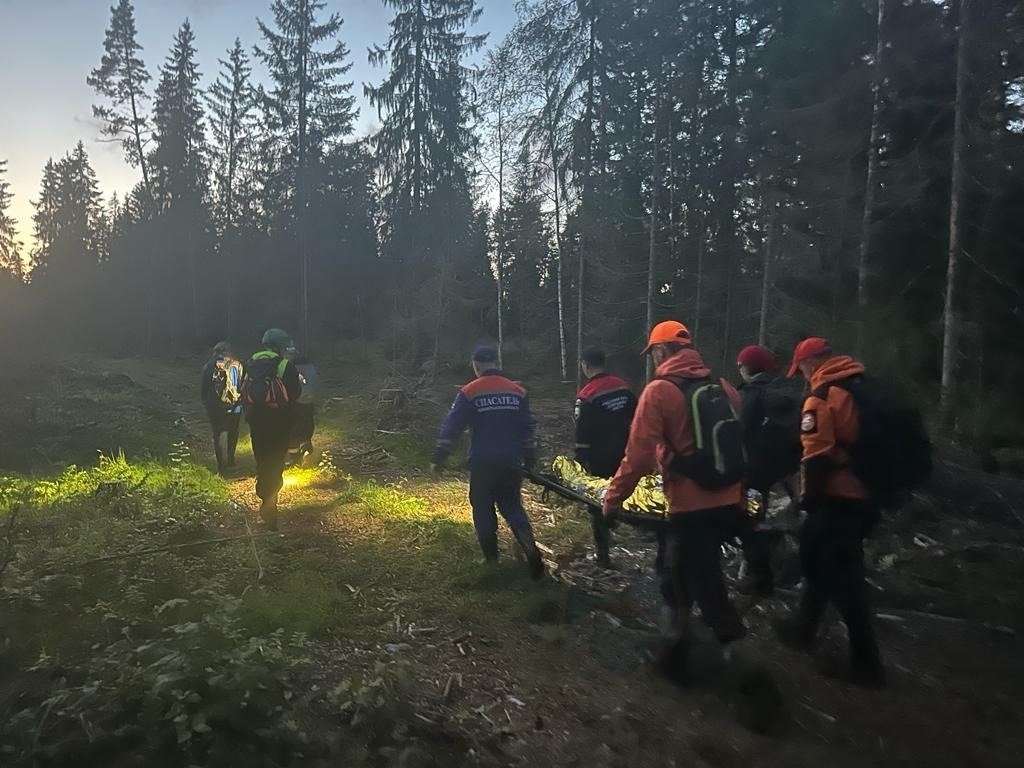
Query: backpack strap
(822, 394)
(690, 388)
(281, 367)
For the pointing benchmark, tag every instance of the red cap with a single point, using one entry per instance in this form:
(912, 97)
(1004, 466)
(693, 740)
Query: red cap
(815, 346)
(668, 332)
(757, 359)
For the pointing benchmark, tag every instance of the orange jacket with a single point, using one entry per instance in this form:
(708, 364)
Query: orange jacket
(828, 427)
(661, 429)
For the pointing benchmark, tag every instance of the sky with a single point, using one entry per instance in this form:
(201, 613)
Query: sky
(50, 46)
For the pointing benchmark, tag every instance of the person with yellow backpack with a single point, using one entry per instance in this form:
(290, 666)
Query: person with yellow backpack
(219, 391)
(269, 390)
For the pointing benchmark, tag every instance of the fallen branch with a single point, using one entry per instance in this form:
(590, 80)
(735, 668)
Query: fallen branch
(546, 550)
(448, 687)
(999, 629)
(255, 552)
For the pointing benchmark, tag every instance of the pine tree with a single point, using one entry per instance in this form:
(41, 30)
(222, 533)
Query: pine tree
(121, 78)
(310, 109)
(10, 246)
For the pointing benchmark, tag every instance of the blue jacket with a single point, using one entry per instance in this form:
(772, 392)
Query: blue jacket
(497, 413)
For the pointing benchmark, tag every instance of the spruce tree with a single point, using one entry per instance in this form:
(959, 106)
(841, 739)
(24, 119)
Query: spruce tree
(310, 108)
(232, 104)
(422, 103)
(10, 246)
(178, 158)
(69, 218)
(44, 220)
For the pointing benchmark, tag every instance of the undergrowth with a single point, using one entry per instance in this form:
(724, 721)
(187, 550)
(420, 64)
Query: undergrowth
(113, 640)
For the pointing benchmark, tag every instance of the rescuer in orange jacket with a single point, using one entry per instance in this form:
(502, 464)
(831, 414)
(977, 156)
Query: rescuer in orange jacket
(840, 513)
(699, 519)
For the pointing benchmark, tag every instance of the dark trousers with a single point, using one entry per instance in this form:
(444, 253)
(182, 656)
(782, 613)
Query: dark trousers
(691, 568)
(496, 485)
(225, 436)
(832, 557)
(270, 437)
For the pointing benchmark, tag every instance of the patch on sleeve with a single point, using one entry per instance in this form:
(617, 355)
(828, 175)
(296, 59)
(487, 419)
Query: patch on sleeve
(809, 423)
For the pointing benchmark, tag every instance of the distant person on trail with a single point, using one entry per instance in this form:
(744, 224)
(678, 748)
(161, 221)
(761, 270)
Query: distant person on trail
(219, 390)
(301, 445)
(269, 391)
(771, 431)
(686, 428)
(497, 413)
(840, 511)
(604, 410)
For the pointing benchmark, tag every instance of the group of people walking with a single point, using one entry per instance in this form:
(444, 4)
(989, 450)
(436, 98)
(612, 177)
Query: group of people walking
(720, 451)
(275, 391)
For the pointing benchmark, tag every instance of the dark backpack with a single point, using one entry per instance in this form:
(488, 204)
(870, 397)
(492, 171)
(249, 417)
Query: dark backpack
(893, 453)
(264, 387)
(719, 459)
(773, 442)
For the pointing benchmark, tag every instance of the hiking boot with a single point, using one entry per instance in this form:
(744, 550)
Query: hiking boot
(604, 560)
(489, 546)
(529, 546)
(268, 512)
(673, 658)
(793, 633)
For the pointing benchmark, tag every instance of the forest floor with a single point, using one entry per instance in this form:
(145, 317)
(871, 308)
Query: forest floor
(147, 619)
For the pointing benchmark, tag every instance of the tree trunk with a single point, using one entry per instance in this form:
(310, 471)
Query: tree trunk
(951, 330)
(769, 242)
(869, 183)
(501, 225)
(700, 282)
(558, 253)
(301, 183)
(587, 203)
(652, 243)
(579, 319)
(727, 214)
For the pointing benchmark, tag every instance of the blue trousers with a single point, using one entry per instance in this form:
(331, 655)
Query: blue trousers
(496, 485)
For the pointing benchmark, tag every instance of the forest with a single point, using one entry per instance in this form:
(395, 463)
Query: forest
(760, 169)
(763, 171)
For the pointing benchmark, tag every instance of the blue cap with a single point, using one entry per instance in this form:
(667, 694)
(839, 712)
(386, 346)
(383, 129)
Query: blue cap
(485, 354)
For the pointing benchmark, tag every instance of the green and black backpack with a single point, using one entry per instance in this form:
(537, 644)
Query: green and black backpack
(719, 459)
(263, 387)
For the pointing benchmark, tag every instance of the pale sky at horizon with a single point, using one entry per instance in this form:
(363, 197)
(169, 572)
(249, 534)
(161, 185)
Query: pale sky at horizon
(50, 46)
